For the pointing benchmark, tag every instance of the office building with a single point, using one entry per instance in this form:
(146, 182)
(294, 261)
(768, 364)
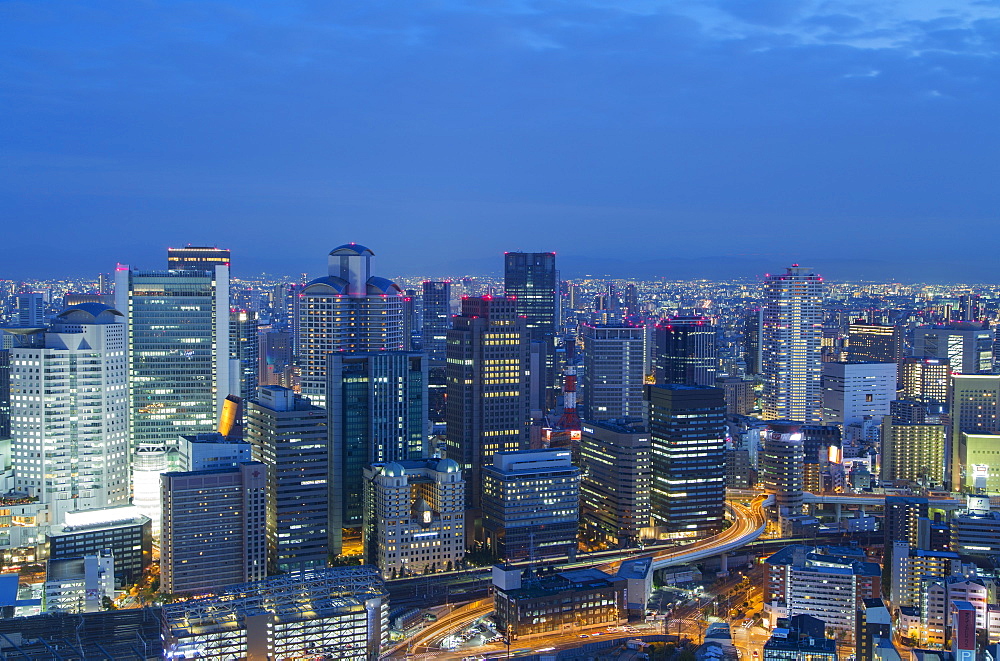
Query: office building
(69, 415)
(341, 612)
(976, 532)
(30, 310)
(123, 530)
(349, 310)
(688, 431)
(531, 504)
(276, 359)
(912, 453)
(177, 325)
(974, 405)
(979, 461)
(244, 350)
(532, 281)
(614, 492)
(967, 347)
(753, 337)
(738, 393)
(822, 447)
(791, 336)
(436, 319)
(487, 406)
(613, 383)
(783, 470)
(415, 518)
(524, 608)
(875, 343)
(214, 528)
(828, 583)
(79, 585)
(197, 258)
(800, 638)
(925, 379)
(377, 405)
(289, 436)
(854, 391)
(685, 351)
(211, 451)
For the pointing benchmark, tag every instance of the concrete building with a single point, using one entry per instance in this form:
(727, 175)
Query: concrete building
(852, 391)
(123, 530)
(436, 319)
(289, 436)
(349, 310)
(79, 585)
(800, 638)
(925, 379)
(531, 503)
(69, 415)
(968, 347)
(910, 567)
(29, 310)
(782, 470)
(974, 405)
(685, 351)
(875, 343)
(688, 489)
(214, 528)
(211, 451)
(977, 531)
(912, 453)
(342, 612)
(873, 626)
(613, 383)
(487, 407)
(739, 394)
(415, 516)
(979, 461)
(614, 492)
(791, 336)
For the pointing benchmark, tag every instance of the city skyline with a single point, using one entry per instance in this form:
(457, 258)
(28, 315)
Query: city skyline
(839, 136)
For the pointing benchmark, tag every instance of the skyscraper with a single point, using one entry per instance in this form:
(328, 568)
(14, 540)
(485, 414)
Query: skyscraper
(968, 347)
(688, 430)
(289, 436)
(974, 405)
(487, 406)
(436, 319)
(244, 349)
(686, 351)
(531, 279)
(792, 333)
(377, 406)
(349, 310)
(70, 413)
(783, 470)
(925, 379)
(614, 371)
(30, 310)
(178, 358)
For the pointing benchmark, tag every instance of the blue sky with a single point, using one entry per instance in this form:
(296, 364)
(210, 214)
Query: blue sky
(682, 138)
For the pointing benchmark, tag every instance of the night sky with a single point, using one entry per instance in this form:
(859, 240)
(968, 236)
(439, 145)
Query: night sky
(683, 138)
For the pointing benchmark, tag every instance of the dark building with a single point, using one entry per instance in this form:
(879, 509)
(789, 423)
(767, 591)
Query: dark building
(688, 429)
(123, 635)
(436, 320)
(802, 637)
(4, 393)
(487, 387)
(874, 622)
(686, 351)
(244, 347)
(531, 279)
(196, 258)
(752, 335)
(875, 343)
(123, 530)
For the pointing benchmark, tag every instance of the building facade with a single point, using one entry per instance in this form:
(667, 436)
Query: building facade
(614, 492)
(686, 351)
(613, 383)
(852, 391)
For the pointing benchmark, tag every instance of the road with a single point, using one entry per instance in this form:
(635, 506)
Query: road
(748, 523)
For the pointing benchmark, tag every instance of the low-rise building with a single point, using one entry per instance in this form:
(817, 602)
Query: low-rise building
(79, 585)
(800, 638)
(124, 530)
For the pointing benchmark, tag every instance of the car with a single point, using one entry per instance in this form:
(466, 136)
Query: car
(584, 635)
(597, 633)
(756, 654)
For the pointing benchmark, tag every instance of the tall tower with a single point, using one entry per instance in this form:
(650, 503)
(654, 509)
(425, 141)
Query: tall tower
(436, 319)
(531, 279)
(686, 351)
(69, 413)
(349, 310)
(244, 348)
(614, 359)
(792, 334)
(487, 405)
(177, 325)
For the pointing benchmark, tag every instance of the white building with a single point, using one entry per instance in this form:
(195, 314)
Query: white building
(791, 338)
(852, 391)
(69, 413)
(79, 585)
(415, 516)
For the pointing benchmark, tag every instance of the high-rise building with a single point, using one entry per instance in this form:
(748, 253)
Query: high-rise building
(739, 394)
(979, 461)
(614, 492)
(875, 343)
(487, 406)
(976, 531)
(30, 311)
(177, 325)
(532, 281)
(925, 379)
(349, 310)
(614, 359)
(686, 351)
(852, 391)
(276, 359)
(791, 336)
(783, 469)
(436, 319)
(968, 347)
(688, 429)
(197, 258)
(211, 451)
(753, 328)
(377, 406)
(902, 523)
(289, 436)
(244, 349)
(213, 528)
(974, 405)
(414, 517)
(69, 429)
(531, 503)
(912, 453)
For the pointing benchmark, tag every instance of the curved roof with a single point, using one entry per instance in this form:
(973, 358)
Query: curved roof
(332, 282)
(93, 310)
(352, 249)
(392, 469)
(377, 285)
(448, 466)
